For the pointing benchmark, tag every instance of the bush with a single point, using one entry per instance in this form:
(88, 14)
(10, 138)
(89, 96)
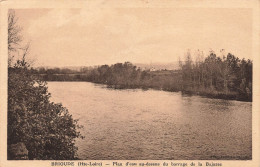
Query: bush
(47, 129)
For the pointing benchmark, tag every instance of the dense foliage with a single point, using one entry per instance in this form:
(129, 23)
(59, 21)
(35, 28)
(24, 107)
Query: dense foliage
(228, 76)
(46, 128)
(126, 75)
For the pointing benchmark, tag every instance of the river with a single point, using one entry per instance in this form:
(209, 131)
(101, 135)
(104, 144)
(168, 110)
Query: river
(152, 124)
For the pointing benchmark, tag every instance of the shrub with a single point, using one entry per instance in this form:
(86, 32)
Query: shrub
(47, 129)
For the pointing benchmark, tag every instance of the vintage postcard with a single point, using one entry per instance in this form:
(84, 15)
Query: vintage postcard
(129, 83)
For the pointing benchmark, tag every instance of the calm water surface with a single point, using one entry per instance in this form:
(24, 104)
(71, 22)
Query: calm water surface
(137, 124)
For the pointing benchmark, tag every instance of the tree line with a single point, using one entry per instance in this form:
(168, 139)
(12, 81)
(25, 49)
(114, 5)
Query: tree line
(225, 76)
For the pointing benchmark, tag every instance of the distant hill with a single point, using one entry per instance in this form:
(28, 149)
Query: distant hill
(143, 66)
(158, 66)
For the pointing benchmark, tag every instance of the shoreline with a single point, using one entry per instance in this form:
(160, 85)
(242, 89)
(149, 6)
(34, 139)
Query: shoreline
(204, 94)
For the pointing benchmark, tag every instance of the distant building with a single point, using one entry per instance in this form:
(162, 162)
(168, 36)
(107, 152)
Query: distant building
(152, 69)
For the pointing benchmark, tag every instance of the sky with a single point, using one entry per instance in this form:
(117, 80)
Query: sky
(96, 36)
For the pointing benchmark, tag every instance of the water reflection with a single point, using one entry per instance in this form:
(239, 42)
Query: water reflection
(152, 124)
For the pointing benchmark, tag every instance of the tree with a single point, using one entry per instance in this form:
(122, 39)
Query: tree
(47, 129)
(14, 35)
(228, 77)
(187, 70)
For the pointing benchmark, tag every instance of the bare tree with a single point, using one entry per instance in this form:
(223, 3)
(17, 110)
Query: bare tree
(15, 39)
(14, 32)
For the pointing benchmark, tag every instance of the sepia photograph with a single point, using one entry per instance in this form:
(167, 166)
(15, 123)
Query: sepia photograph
(130, 83)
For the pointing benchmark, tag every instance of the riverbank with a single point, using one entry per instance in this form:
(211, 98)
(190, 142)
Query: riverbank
(203, 93)
(223, 81)
(166, 82)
